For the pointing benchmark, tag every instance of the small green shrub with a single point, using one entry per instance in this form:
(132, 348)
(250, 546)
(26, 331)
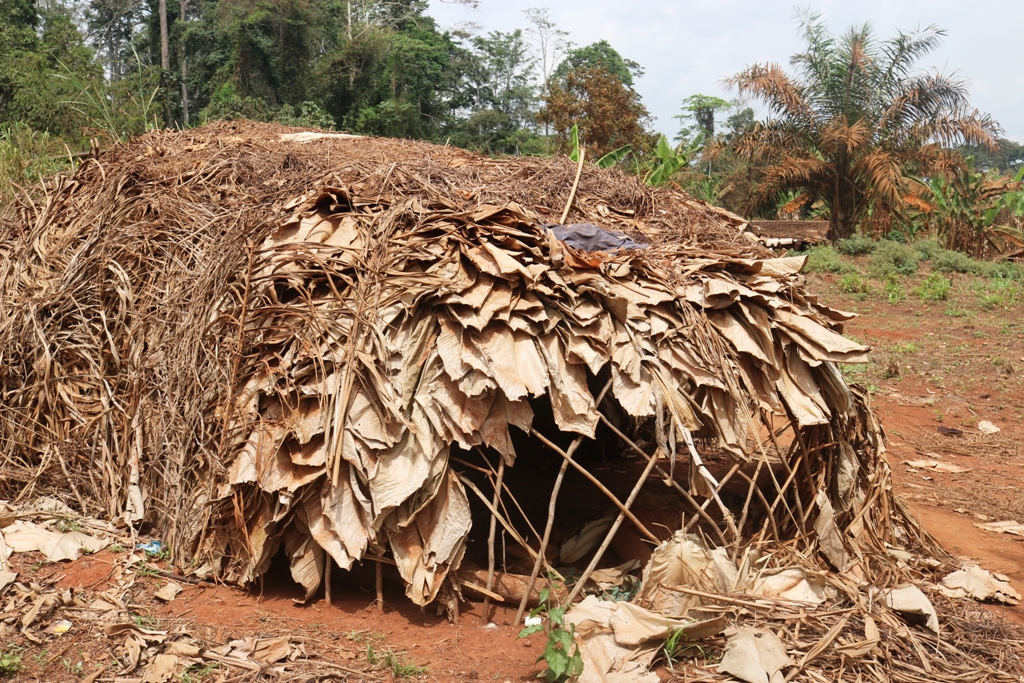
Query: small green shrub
(825, 259)
(893, 290)
(928, 249)
(10, 661)
(856, 245)
(1003, 270)
(998, 293)
(955, 262)
(854, 284)
(26, 156)
(892, 258)
(934, 288)
(561, 653)
(306, 115)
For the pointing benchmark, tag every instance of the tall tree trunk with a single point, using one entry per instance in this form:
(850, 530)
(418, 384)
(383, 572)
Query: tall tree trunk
(183, 4)
(165, 59)
(842, 218)
(843, 211)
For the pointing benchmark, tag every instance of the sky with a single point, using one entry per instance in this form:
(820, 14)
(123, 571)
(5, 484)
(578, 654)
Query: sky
(689, 46)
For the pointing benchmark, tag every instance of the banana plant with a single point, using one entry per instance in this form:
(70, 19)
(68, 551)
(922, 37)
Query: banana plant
(966, 207)
(574, 156)
(615, 156)
(658, 169)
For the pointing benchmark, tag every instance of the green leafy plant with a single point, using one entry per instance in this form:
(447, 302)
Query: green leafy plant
(969, 210)
(561, 653)
(955, 262)
(10, 660)
(854, 284)
(893, 290)
(676, 647)
(904, 347)
(305, 115)
(75, 669)
(615, 156)
(669, 160)
(68, 524)
(928, 249)
(1003, 270)
(197, 673)
(395, 663)
(26, 156)
(934, 288)
(855, 245)
(998, 293)
(574, 140)
(893, 258)
(710, 189)
(118, 111)
(145, 620)
(825, 259)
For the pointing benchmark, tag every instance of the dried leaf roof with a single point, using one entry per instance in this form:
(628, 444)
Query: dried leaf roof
(276, 312)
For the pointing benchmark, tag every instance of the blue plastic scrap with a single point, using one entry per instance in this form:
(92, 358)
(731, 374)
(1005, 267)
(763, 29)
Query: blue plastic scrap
(153, 547)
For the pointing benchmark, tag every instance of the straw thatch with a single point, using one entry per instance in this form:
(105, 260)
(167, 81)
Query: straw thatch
(256, 340)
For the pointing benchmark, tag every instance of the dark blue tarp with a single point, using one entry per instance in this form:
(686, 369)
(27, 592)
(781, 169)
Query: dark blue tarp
(589, 237)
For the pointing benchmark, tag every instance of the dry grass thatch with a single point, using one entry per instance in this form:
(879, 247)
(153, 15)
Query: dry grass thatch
(255, 343)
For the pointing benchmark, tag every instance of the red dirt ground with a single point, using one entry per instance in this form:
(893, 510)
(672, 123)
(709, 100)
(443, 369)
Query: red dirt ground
(933, 369)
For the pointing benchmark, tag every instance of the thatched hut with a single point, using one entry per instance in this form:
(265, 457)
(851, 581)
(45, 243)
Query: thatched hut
(335, 349)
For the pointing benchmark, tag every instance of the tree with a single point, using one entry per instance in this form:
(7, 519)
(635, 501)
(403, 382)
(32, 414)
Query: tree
(1007, 157)
(112, 28)
(856, 122)
(550, 43)
(43, 63)
(18, 22)
(600, 54)
(608, 112)
(496, 109)
(698, 117)
(394, 78)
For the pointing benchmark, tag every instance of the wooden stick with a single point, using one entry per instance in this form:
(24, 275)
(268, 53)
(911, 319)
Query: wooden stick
(547, 527)
(490, 539)
(380, 587)
(505, 489)
(486, 592)
(686, 494)
(601, 487)
(508, 527)
(756, 490)
(575, 184)
(781, 490)
(327, 579)
(455, 601)
(611, 532)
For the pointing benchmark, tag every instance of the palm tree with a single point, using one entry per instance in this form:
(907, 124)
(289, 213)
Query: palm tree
(857, 122)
